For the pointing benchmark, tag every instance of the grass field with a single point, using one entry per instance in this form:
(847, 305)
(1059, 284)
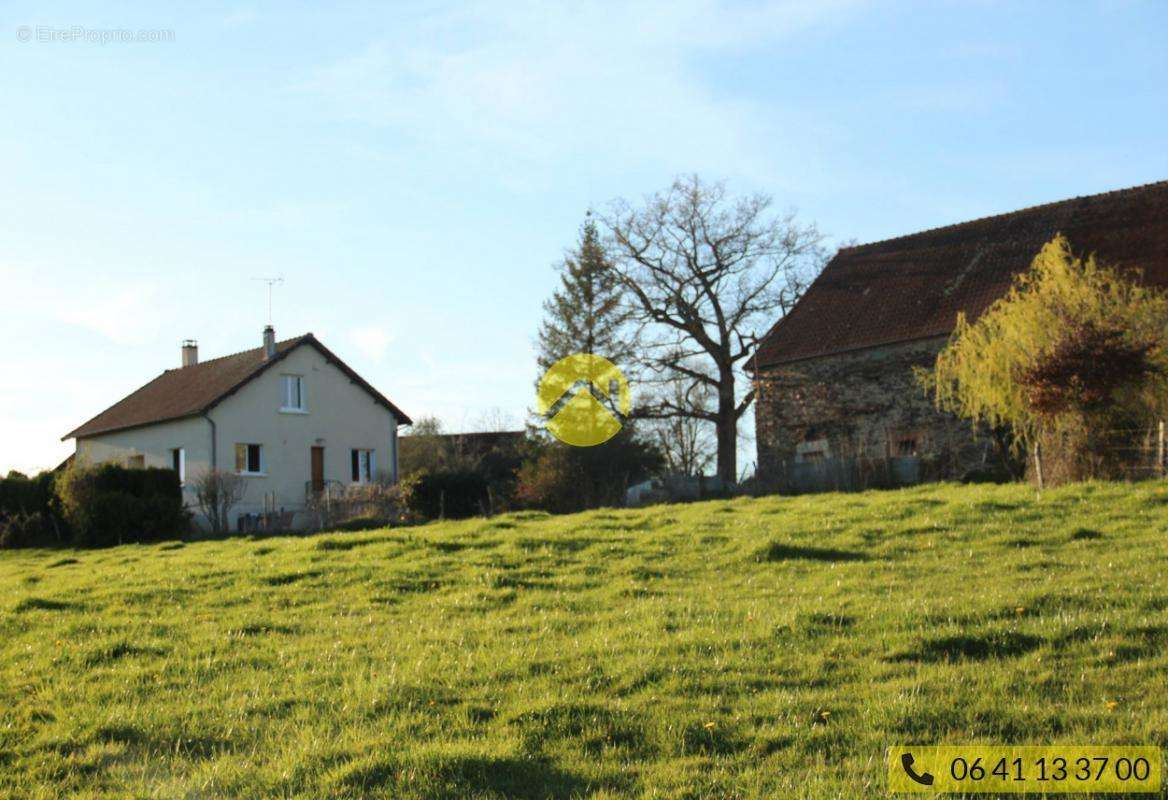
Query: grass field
(746, 648)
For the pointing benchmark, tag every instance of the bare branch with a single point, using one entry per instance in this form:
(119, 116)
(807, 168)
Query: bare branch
(705, 273)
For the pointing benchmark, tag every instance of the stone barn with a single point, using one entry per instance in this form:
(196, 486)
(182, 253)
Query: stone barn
(838, 405)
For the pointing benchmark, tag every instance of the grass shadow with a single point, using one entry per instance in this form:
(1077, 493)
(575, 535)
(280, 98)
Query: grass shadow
(347, 543)
(115, 651)
(781, 551)
(972, 647)
(442, 776)
(45, 604)
(286, 578)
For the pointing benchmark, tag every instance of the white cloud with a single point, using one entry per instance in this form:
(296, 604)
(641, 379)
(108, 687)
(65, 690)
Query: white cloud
(967, 98)
(123, 311)
(372, 341)
(124, 315)
(521, 83)
(240, 17)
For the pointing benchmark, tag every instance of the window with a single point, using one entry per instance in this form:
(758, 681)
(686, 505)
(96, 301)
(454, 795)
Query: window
(178, 462)
(249, 459)
(136, 462)
(812, 450)
(364, 465)
(904, 444)
(293, 387)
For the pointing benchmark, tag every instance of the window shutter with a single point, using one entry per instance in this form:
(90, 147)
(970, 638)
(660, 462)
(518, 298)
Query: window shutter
(372, 465)
(241, 458)
(356, 465)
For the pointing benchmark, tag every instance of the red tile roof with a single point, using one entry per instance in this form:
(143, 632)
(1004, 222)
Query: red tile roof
(912, 287)
(191, 391)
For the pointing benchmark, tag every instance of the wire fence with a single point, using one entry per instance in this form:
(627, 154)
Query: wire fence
(1132, 453)
(327, 504)
(334, 503)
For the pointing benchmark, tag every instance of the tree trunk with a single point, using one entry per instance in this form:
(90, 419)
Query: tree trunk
(727, 427)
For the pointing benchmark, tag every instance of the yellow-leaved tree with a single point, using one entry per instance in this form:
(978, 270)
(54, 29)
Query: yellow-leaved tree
(1074, 358)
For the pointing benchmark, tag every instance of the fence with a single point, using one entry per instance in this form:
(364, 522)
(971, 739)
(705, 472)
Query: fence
(675, 489)
(849, 474)
(333, 502)
(1120, 454)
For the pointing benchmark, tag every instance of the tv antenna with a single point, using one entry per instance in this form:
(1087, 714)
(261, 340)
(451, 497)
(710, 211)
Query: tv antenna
(272, 283)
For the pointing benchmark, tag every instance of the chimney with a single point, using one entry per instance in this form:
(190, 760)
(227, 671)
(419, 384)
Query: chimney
(190, 352)
(269, 342)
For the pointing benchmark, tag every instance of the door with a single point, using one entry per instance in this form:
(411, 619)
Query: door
(318, 469)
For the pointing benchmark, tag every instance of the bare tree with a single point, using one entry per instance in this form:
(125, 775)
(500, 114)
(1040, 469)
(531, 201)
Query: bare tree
(684, 440)
(494, 420)
(705, 274)
(217, 492)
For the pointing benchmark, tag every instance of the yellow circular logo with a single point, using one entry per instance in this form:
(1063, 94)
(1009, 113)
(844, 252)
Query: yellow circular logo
(584, 399)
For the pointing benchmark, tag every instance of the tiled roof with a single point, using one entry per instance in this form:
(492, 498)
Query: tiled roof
(189, 391)
(912, 287)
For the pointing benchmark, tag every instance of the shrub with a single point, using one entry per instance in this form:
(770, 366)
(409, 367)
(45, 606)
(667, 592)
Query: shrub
(359, 524)
(562, 479)
(449, 494)
(110, 504)
(38, 529)
(20, 494)
(496, 455)
(1075, 352)
(28, 512)
(377, 504)
(217, 492)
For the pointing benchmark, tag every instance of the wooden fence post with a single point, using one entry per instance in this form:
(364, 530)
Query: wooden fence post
(1160, 449)
(1038, 464)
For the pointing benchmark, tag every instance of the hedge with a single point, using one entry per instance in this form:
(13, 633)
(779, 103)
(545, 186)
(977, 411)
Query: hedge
(109, 504)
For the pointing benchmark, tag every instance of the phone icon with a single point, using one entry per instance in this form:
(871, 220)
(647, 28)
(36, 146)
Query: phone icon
(906, 761)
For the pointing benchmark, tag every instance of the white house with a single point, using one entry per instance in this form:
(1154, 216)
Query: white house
(290, 417)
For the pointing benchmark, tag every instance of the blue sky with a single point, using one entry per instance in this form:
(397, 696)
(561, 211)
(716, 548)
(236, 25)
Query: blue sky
(414, 170)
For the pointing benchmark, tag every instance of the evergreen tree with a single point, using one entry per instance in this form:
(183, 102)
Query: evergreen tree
(586, 314)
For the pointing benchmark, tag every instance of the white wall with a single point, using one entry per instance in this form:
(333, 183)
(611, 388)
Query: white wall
(154, 443)
(340, 416)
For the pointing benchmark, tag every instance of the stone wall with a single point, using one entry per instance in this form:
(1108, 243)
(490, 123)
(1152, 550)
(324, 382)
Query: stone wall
(864, 406)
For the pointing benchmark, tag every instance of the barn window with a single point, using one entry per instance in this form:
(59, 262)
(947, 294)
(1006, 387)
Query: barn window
(905, 445)
(811, 450)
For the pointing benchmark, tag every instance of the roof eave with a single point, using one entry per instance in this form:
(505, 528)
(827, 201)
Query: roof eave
(846, 350)
(75, 433)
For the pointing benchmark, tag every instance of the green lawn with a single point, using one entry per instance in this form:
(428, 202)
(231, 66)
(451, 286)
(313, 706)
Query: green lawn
(746, 648)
